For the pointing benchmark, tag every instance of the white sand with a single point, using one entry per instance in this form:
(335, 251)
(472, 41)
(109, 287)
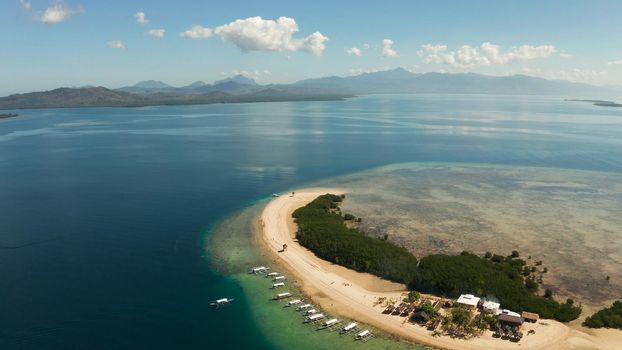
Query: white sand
(353, 294)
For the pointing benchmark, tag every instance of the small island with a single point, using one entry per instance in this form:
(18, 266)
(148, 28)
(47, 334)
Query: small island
(601, 103)
(8, 115)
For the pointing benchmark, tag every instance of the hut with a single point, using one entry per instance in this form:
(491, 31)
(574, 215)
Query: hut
(510, 320)
(420, 316)
(490, 307)
(530, 316)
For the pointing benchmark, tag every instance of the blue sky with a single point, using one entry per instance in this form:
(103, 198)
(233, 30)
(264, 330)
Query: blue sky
(50, 43)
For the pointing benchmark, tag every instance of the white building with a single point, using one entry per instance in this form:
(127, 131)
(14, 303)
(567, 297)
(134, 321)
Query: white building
(468, 300)
(491, 307)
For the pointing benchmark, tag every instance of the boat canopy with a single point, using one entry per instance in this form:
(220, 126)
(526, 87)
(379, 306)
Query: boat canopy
(363, 334)
(350, 326)
(316, 317)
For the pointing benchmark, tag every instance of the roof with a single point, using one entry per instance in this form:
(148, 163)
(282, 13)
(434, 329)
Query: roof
(510, 319)
(468, 299)
(491, 305)
(530, 316)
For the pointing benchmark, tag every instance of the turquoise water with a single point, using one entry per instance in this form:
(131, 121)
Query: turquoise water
(105, 213)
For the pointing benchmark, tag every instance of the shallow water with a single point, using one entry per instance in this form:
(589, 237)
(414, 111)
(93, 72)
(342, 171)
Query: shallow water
(104, 211)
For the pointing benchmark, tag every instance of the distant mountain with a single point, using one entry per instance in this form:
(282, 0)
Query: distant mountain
(103, 97)
(243, 89)
(196, 84)
(240, 79)
(402, 81)
(151, 84)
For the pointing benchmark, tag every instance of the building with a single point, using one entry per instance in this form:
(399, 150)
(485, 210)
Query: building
(530, 316)
(511, 320)
(490, 307)
(468, 300)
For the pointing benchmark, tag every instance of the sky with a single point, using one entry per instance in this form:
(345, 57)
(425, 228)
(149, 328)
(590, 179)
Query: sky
(114, 43)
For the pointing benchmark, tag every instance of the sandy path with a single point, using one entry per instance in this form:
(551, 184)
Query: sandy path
(353, 294)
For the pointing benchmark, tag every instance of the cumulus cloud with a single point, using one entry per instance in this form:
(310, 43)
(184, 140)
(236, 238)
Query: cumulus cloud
(26, 5)
(156, 33)
(565, 55)
(255, 75)
(116, 44)
(56, 13)
(258, 34)
(387, 48)
(141, 18)
(485, 55)
(618, 62)
(354, 51)
(197, 32)
(366, 46)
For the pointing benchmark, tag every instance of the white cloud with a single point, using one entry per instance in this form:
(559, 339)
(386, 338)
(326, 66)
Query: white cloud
(387, 48)
(485, 55)
(156, 33)
(56, 13)
(366, 46)
(575, 75)
(614, 62)
(141, 18)
(564, 54)
(355, 51)
(258, 34)
(255, 75)
(26, 5)
(197, 32)
(116, 44)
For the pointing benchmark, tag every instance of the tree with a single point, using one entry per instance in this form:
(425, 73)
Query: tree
(488, 255)
(515, 254)
(413, 296)
(548, 293)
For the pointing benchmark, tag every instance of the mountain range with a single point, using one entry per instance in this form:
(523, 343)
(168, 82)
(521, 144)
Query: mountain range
(244, 89)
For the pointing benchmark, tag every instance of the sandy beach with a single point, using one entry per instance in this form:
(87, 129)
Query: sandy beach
(355, 295)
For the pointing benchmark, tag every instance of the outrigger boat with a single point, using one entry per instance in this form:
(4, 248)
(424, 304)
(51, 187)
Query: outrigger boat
(221, 302)
(293, 302)
(329, 323)
(349, 328)
(304, 307)
(278, 285)
(310, 312)
(275, 195)
(279, 278)
(363, 335)
(259, 269)
(314, 317)
(272, 274)
(281, 296)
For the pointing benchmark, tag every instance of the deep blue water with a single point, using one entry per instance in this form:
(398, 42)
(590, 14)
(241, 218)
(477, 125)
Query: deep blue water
(104, 211)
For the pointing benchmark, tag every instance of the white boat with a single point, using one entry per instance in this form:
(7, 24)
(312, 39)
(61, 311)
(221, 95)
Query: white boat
(259, 269)
(310, 312)
(278, 285)
(293, 302)
(350, 327)
(272, 274)
(362, 335)
(304, 307)
(279, 278)
(275, 195)
(330, 323)
(282, 296)
(221, 302)
(314, 317)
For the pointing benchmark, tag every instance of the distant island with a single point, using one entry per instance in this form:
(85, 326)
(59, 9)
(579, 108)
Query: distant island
(241, 89)
(601, 103)
(8, 115)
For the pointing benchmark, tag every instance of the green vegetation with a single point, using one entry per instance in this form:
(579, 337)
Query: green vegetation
(608, 317)
(323, 231)
(321, 228)
(468, 273)
(413, 295)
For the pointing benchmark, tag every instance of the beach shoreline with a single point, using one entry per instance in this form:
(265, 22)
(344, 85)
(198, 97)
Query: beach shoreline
(354, 295)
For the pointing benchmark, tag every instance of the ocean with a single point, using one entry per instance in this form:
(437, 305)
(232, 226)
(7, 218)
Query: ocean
(106, 214)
